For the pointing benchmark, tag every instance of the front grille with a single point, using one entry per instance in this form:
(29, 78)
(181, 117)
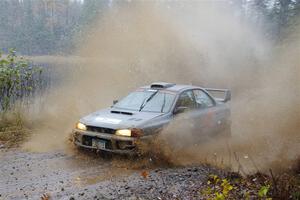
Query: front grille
(87, 140)
(100, 129)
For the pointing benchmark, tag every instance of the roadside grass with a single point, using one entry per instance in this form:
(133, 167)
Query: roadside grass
(13, 129)
(20, 81)
(257, 186)
(265, 186)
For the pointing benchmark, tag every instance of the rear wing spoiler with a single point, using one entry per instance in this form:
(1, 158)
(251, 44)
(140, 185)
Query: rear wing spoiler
(226, 96)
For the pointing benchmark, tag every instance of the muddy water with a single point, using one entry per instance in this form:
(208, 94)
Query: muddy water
(30, 175)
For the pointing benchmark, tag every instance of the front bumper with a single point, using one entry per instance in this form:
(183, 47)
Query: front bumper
(113, 143)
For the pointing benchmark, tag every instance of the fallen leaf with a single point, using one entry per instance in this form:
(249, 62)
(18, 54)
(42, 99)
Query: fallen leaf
(45, 197)
(145, 174)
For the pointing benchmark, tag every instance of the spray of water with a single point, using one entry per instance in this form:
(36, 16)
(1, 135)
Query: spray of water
(191, 43)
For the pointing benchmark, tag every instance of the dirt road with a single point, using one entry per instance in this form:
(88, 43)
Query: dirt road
(27, 175)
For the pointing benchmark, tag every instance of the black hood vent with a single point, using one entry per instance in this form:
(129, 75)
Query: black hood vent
(121, 112)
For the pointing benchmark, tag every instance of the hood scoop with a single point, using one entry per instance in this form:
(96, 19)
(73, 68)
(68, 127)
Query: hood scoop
(121, 112)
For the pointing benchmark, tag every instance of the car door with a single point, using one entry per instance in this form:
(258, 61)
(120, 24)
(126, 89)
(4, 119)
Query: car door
(197, 122)
(181, 129)
(204, 114)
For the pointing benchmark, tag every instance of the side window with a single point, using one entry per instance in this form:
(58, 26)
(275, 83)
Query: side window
(202, 99)
(186, 99)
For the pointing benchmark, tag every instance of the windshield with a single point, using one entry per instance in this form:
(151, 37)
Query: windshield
(149, 100)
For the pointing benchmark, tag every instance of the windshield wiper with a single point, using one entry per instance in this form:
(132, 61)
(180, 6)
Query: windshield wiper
(164, 103)
(147, 100)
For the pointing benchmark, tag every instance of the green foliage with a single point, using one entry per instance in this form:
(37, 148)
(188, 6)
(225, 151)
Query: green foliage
(227, 187)
(257, 186)
(262, 193)
(218, 189)
(219, 196)
(296, 195)
(18, 79)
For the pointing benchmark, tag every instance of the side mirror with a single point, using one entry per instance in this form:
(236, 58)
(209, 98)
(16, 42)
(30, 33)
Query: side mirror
(180, 109)
(115, 101)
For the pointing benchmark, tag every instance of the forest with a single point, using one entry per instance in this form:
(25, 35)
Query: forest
(55, 27)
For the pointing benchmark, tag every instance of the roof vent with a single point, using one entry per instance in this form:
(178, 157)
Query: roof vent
(161, 85)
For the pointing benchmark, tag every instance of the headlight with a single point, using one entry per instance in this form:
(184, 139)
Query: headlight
(124, 132)
(81, 126)
(134, 132)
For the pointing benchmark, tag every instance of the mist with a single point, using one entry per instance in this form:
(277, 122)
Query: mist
(191, 43)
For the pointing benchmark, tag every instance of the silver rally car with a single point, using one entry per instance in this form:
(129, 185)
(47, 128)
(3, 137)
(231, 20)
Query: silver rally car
(143, 113)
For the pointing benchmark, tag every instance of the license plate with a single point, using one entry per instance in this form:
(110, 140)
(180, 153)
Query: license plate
(99, 144)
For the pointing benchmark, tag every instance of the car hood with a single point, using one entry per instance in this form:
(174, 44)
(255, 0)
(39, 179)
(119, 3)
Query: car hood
(118, 118)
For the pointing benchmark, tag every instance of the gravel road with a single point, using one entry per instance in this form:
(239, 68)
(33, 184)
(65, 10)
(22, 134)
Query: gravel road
(28, 175)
